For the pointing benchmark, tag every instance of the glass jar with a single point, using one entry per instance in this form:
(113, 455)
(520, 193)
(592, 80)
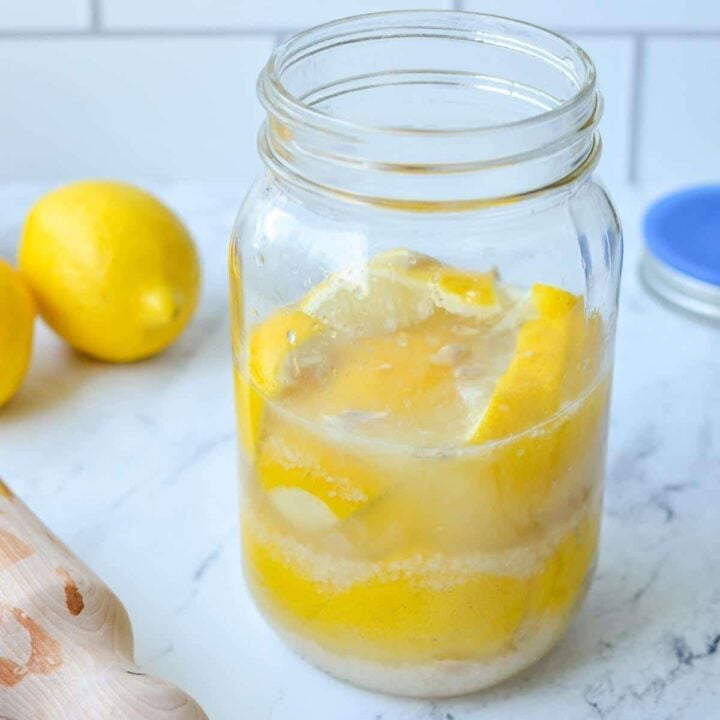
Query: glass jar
(424, 289)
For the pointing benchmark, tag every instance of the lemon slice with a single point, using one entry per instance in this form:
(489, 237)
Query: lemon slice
(367, 300)
(397, 289)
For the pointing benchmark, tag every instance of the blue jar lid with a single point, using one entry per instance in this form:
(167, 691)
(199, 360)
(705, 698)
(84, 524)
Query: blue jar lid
(682, 249)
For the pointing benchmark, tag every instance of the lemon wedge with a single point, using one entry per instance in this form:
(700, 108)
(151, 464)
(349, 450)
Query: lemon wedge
(530, 390)
(278, 350)
(281, 347)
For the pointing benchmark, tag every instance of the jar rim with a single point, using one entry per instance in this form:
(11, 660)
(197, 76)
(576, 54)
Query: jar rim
(436, 107)
(277, 98)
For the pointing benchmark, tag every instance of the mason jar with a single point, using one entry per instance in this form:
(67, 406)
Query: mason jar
(424, 289)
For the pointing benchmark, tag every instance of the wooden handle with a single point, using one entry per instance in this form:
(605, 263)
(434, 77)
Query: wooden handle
(66, 646)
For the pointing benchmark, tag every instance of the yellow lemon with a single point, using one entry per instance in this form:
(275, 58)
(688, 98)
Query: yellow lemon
(114, 271)
(17, 312)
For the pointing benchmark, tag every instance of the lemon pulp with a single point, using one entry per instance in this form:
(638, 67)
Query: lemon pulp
(424, 454)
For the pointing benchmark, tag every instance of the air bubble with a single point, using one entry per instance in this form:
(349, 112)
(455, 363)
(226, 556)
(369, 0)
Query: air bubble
(291, 336)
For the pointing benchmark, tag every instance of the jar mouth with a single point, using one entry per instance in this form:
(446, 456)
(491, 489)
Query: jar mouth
(277, 97)
(429, 107)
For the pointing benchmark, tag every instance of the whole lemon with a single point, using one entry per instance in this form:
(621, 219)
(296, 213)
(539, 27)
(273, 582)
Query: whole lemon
(113, 270)
(17, 312)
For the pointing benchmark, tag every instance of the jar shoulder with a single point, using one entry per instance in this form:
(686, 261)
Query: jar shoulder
(571, 239)
(268, 201)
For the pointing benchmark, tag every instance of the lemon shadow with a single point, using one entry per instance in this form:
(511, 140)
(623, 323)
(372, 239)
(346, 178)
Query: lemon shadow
(56, 373)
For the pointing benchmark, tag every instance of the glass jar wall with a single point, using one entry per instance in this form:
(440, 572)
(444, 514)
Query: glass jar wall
(424, 286)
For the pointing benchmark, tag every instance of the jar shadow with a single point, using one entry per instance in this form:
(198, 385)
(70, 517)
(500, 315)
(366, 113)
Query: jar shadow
(56, 374)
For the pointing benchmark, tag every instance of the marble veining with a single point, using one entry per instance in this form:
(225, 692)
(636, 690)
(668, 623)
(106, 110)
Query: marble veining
(135, 466)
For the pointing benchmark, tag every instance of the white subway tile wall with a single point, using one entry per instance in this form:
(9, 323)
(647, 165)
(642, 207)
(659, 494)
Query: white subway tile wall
(263, 14)
(44, 14)
(162, 108)
(679, 127)
(166, 88)
(646, 15)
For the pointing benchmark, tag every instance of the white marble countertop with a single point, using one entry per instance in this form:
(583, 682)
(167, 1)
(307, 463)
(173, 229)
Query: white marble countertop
(134, 467)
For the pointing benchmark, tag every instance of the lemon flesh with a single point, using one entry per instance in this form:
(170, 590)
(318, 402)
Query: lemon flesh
(17, 313)
(427, 448)
(114, 272)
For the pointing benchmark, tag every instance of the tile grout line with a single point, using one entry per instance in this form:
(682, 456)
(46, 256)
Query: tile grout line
(635, 31)
(145, 33)
(95, 16)
(636, 107)
(238, 32)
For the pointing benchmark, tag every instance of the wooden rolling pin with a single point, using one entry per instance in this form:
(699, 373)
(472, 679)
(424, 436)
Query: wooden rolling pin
(66, 645)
